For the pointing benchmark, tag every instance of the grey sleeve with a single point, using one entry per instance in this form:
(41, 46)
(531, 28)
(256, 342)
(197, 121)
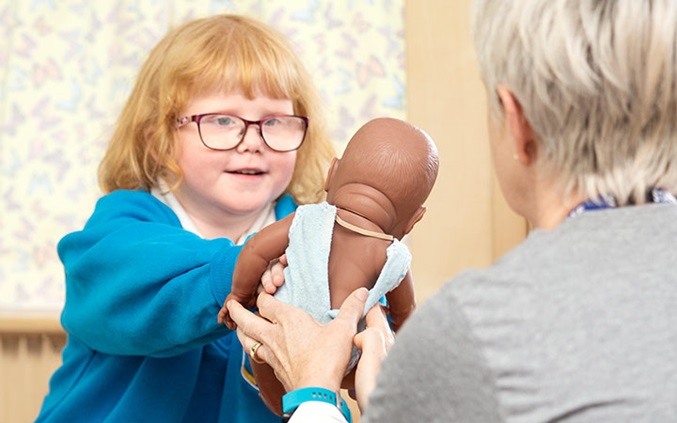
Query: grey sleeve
(435, 372)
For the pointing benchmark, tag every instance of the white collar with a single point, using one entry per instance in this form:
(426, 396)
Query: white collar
(162, 193)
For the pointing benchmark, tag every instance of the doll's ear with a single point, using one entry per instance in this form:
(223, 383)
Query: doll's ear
(330, 173)
(418, 215)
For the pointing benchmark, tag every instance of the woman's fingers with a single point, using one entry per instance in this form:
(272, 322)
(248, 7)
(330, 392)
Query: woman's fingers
(254, 334)
(375, 342)
(248, 323)
(301, 351)
(352, 308)
(377, 318)
(349, 314)
(373, 346)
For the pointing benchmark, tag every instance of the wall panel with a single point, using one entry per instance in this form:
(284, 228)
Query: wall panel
(468, 223)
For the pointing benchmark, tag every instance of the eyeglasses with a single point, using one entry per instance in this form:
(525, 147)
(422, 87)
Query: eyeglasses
(219, 131)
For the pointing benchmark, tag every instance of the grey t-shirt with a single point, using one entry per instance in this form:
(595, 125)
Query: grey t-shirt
(577, 324)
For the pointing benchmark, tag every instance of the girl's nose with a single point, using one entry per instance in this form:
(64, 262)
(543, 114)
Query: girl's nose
(252, 141)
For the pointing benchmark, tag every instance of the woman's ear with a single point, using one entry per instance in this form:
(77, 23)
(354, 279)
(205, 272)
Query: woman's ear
(525, 145)
(330, 173)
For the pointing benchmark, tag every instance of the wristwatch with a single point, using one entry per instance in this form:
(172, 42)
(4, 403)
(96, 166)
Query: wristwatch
(292, 400)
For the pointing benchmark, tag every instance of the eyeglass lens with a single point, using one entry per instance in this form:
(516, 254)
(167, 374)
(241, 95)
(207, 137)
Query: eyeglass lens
(280, 133)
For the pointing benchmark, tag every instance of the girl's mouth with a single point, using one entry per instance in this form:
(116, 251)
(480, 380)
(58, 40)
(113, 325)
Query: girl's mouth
(246, 172)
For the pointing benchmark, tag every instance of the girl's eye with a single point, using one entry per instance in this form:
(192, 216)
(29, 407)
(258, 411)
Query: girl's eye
(224, 120)
(272, 122)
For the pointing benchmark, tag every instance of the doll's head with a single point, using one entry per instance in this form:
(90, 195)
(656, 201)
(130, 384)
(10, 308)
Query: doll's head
(218, 53)
(385, 174)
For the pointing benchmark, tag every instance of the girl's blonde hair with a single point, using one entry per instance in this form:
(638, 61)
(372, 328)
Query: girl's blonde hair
(224, 52)
(597, 80)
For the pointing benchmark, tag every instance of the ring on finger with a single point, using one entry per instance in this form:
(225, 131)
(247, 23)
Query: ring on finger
(252, 353)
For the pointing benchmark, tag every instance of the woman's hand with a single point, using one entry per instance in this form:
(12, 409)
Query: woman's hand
(375, 342)
(301, 351)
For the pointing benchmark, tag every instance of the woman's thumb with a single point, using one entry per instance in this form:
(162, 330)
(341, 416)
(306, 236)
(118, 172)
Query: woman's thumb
(353, 307)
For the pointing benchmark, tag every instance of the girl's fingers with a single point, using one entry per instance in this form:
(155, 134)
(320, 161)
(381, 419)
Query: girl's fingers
(266, 282)
(273, 277)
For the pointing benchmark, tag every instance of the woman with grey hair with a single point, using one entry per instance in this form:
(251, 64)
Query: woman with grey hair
(577, 323)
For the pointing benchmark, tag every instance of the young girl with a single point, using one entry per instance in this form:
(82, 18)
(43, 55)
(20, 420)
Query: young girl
(220, 137)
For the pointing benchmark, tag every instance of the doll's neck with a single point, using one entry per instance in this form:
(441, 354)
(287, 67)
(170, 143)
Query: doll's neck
(360, 230)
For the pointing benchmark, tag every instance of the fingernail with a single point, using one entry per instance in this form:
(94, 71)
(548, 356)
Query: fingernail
(362, 294)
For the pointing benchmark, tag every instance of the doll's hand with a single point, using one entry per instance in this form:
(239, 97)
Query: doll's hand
(398, 317)
(273, 277)
(224, 317)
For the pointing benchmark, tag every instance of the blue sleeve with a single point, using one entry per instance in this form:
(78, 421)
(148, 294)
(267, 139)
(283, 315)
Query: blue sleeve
(139, 284)
(285, 206)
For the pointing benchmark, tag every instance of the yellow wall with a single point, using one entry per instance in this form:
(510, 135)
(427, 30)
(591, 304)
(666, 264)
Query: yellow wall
(468, 224)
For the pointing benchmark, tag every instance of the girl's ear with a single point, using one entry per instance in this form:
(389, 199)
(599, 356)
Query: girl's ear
(330, 173)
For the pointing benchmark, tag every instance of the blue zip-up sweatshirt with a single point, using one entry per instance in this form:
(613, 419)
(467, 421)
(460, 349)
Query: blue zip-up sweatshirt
(142, 299)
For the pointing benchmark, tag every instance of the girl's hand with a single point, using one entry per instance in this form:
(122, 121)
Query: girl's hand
(273, 277)
(301, 351)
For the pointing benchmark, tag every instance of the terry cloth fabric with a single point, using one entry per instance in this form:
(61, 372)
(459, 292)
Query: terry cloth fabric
(307, 277)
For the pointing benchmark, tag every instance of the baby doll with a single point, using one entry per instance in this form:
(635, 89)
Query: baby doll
(375, 195)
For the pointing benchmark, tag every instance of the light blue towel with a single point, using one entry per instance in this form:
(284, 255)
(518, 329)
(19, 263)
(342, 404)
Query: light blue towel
(307, 276)
(306, 282)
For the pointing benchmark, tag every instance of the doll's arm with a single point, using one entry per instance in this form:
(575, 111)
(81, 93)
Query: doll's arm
(271, 389)
(401, 302)
(257, 253)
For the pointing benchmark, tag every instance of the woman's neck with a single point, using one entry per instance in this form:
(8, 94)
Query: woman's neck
(550, 206)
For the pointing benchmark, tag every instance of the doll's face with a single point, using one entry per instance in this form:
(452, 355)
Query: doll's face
(238, 182)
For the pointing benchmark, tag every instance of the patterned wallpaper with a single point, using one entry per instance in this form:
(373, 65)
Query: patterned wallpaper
(67, 66)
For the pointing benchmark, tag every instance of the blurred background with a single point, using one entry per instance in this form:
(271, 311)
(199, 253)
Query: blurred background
(67, 66)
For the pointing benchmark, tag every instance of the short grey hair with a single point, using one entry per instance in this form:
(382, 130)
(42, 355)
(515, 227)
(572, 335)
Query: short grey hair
(597, 80)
